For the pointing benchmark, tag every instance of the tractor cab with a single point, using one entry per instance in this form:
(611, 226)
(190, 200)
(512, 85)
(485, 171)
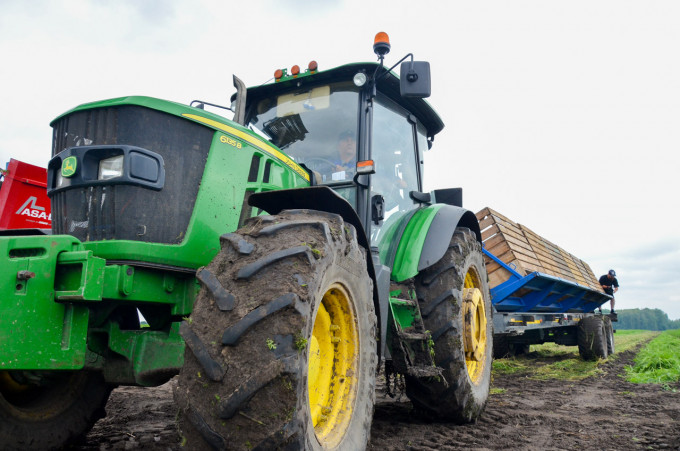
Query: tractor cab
(346, 124)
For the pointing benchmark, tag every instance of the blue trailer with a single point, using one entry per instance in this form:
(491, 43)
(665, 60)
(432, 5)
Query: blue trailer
(534, 307)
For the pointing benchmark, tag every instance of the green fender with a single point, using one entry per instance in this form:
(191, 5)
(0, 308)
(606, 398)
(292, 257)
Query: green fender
(426, 235)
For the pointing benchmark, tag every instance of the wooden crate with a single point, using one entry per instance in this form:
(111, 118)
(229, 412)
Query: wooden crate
(576, 273)
(549, 255)
(594, 281)
(503, 238)
(526, 251)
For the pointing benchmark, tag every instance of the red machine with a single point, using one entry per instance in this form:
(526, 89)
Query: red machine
(23, 198)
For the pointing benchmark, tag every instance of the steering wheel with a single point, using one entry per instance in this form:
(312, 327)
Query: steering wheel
(321, 165)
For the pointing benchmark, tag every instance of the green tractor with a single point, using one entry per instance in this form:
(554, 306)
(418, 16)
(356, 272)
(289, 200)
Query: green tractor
(279, 261)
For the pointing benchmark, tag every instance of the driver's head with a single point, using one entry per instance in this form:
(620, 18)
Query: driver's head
(347, 146)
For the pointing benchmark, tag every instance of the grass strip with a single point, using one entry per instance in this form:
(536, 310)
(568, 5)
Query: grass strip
(658, 362)
(551, 361)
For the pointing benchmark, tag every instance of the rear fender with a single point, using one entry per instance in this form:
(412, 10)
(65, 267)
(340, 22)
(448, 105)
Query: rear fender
(425, 238)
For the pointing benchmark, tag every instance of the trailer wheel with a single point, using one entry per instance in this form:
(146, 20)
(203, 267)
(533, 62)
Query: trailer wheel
(610, 335)
(502, 347)
(50, 411)
(592, 338)
(521, 348)
(455, 304)
(281, 348)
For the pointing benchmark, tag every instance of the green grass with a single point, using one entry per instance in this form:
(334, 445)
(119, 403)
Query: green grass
(658, 362)
(629, 339)
(550, 361)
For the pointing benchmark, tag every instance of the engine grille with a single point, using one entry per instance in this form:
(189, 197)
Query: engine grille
(125, 212)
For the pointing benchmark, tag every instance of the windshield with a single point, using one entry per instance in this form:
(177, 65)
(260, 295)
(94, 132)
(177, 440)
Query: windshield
(315, 127)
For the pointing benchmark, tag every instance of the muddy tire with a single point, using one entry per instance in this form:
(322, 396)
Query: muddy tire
(610, 335)
(502, 347)
(455, 304)
(281, 347)
(521, 348)
(57, 412)
(592, 338)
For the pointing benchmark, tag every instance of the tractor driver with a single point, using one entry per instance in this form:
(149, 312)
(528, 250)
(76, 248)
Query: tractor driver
(345, 163)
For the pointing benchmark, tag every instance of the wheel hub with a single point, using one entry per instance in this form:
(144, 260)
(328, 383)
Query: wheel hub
(333, 356)
(474, 327)
(475, 323)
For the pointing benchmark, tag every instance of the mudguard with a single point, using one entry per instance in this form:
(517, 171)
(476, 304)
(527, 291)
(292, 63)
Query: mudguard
(425, 238)
(320, 198)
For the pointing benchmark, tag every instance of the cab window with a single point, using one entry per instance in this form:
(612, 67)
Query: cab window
(394, 153)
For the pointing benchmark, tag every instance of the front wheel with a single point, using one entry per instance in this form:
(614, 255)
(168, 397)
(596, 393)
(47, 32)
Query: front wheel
(455, 304)
(49, 410)
(281, 348)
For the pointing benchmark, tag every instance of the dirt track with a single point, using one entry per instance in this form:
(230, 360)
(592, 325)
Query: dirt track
(603, 412)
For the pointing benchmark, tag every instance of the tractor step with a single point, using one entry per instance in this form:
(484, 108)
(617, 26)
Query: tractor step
(413, 336)
(422, 371)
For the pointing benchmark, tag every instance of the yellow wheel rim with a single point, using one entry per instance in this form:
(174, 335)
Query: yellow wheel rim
(333, 358)
(474, 326)
(9, 385)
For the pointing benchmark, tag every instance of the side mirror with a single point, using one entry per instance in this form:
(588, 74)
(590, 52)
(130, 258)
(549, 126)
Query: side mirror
(450, 196)
(415, 79)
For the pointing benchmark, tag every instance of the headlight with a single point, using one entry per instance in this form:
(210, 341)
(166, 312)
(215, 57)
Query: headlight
(110, 168)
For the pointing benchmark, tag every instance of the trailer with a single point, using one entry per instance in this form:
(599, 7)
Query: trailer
(540, 292)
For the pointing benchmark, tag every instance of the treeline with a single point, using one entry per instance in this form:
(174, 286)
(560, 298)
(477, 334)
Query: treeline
(645, 319)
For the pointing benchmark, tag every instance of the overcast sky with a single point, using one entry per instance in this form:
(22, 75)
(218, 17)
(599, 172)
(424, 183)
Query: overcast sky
(563, 116)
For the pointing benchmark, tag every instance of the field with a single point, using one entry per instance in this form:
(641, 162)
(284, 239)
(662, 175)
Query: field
(549, 399)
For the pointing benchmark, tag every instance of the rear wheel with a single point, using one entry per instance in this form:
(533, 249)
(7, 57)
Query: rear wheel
(455, 304)
(281, 349)
(592, 338)
(502, 347)
(610, 335)
(44, 411)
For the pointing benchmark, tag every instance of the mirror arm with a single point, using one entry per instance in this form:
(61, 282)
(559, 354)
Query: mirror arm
(374, 79)
(390, 69)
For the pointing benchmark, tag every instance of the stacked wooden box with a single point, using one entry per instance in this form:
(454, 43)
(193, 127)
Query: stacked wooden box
(526, 252)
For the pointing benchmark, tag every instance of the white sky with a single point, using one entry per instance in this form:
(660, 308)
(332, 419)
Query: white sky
(563, 116)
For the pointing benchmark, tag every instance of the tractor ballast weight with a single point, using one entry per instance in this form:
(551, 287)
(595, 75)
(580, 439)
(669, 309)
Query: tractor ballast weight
(271, 274)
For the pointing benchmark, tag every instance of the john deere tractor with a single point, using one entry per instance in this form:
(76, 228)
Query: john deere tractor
(277, 261)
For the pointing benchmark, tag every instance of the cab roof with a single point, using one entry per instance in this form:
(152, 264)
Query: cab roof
(387, 84)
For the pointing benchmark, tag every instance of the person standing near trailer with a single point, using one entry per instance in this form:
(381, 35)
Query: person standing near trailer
(610, 285)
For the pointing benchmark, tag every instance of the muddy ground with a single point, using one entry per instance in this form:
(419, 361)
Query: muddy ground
(602, 412)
